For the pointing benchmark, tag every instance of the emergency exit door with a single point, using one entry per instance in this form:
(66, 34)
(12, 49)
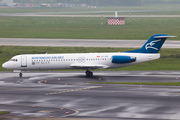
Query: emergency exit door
(23, 61)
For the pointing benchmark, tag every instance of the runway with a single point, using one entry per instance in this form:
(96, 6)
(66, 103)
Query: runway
(82, 43)
(97, 13)
(72, 15)
(41, 94)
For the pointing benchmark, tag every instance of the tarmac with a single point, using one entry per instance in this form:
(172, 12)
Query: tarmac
(72, 15)
(82, 43)
(38, 95)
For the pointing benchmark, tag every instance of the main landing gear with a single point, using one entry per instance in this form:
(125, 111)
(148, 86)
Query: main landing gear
(20, 74)
(89, 73)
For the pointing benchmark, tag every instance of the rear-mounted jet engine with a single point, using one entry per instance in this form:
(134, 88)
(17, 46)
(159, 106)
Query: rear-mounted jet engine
(123, 59)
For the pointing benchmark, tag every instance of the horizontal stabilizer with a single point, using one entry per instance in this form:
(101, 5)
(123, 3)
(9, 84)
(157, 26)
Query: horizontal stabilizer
(168, 36)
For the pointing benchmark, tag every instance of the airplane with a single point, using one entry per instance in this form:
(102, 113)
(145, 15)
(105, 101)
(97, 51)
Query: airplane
(88, 61)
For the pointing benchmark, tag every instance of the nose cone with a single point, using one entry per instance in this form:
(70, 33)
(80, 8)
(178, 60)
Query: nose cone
(5, 65)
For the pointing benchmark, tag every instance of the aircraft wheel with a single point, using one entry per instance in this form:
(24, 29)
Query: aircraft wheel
(20, 74)
(89, 73)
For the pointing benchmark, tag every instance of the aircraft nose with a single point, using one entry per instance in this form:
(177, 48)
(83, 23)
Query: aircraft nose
(5, 65)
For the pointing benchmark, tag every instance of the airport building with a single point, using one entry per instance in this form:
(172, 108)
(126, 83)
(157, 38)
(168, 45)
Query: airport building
(6, 2)
(67, 5)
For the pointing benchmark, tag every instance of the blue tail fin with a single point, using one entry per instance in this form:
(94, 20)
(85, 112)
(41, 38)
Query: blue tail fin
(153, 45)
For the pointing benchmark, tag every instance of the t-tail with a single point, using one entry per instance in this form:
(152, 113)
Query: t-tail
(153, 45)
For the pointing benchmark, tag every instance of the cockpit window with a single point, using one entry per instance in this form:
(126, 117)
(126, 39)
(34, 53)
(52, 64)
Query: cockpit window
(13, 60)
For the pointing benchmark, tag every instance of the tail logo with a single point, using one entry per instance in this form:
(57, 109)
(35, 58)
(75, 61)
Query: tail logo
(150, 45)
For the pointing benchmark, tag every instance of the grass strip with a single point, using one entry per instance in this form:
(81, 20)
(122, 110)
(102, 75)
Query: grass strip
(4, 112)
(141, 83)
(86, 28)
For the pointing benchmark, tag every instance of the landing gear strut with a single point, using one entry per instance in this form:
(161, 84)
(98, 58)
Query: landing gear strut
(89, 73)
(20, 74)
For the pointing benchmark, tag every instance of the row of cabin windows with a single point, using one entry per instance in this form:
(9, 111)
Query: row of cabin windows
(71, 59)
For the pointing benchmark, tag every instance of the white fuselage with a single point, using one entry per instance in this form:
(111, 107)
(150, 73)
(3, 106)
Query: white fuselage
(73, 61)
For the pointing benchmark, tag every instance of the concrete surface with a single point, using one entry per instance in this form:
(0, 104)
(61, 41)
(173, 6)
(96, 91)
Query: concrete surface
(48, 92)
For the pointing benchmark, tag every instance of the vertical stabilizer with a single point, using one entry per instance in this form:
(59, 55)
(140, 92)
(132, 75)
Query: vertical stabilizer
(153, 45)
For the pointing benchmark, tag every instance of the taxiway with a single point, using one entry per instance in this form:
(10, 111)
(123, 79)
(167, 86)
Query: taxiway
(41, 94)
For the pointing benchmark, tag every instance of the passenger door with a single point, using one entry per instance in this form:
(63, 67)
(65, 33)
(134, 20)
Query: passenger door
(23, 61)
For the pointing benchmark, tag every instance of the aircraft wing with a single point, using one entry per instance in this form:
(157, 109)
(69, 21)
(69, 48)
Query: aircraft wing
(88, 66)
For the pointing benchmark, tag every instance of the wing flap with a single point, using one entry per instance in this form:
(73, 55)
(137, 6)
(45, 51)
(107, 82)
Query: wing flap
(87, 66)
